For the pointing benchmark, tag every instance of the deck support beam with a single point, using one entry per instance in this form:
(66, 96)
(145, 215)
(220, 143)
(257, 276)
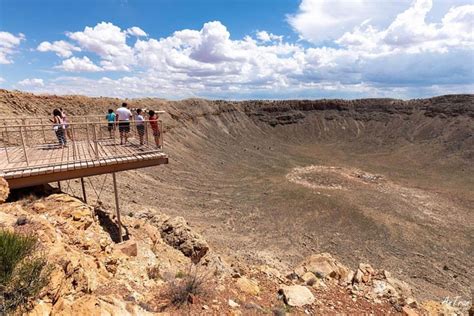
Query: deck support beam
(84, 196)
(117, 207)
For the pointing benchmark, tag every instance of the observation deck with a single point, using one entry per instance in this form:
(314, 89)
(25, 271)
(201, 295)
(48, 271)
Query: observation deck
(30, 152)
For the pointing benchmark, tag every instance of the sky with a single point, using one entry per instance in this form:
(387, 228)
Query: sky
(238, 49)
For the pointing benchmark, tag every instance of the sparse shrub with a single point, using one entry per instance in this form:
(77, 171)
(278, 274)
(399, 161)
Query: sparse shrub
(186, 289)
(180, 275)
(23, 272)
(154, 272)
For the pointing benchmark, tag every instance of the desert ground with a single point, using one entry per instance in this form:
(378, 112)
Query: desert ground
(382, 181)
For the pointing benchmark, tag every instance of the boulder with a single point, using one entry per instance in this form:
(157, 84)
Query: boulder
(128, 248)
(364, 273)
(296, 295)
(177, 233)
(4, 190)
(324, 265)
(248, 286)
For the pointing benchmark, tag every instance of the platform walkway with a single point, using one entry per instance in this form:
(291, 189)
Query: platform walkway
(30, 153)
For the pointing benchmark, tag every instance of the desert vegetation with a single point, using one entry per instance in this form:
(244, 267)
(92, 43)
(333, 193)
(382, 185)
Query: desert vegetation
(24, 271)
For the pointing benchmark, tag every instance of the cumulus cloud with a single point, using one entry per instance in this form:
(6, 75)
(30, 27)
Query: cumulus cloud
(8, 44)
(31, 82)
(407, 55)
(136, 31)
(109, 42)
(411, 33)
(76, 64)
(320, 20)
(265, 37)
(61, 48)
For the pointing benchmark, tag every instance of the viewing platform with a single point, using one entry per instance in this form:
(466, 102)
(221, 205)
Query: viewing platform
(30, 152)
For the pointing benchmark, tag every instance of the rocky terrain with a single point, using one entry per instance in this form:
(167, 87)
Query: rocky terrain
(380, 181)
(91, 274)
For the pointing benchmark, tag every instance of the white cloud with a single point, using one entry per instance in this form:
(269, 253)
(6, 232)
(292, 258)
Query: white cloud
(2, 80)
(136, 31)
(264, 36)
(75, 64)
(409, 54)
(31, 82)
(8, 44)
(61, 48)
(109, 42)
(411, 33)
(320, 20)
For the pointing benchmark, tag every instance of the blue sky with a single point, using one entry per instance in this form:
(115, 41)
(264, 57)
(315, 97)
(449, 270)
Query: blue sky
(238, 49)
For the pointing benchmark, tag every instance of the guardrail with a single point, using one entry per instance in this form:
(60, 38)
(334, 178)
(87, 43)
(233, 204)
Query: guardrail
(42, 144)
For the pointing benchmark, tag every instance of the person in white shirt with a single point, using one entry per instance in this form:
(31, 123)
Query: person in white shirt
(123, 115)
(140, 121)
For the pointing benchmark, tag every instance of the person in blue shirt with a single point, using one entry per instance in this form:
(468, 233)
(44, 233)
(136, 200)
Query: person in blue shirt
(111, 120)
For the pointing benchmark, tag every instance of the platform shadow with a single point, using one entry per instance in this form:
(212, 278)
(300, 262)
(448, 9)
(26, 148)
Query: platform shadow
(110, 226)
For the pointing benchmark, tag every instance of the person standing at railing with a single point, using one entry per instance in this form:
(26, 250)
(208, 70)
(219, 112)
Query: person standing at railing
(153, 118)
(110, 117)
(65, 124)
(140, 121)
(58, 127)
(123, 115)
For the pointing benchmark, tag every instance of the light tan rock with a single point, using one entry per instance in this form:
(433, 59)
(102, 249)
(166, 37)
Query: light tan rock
(128, 248)
(308, 278)
(233, 304)
(4, 190)
(407, 311)
(41, 309)
(248, 286)
(296, 295)
(324, 265)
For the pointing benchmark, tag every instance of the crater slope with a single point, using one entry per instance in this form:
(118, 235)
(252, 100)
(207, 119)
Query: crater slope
(377, 180)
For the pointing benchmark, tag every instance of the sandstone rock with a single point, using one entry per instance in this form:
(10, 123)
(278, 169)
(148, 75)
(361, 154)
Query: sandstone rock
(308, 278)
(407, 311)
(177, 233)
(402, 288)
(248, 286)
(4, 190)
(128, 248)
(325, 265)
(233, 304)
(41, 308)
(296, 295)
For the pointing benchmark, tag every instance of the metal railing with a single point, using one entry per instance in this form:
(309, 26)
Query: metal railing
(85, 138)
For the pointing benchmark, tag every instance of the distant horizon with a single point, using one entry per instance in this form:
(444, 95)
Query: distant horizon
(39, 94)
(238, 50)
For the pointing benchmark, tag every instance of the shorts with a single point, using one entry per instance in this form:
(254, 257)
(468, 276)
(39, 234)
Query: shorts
(156, 132)
(141, 130)
(124, 127)
(110, 127)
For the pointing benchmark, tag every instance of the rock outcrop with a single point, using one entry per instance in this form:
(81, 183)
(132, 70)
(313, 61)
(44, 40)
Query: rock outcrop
(177, 233)
(4, 190)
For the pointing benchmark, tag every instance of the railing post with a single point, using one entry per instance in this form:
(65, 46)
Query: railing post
(42, 128)
(94, 135)
(73, 142)
(146, 132)
(161, 129)
(23, 145)
(23, 122)
(5, 140)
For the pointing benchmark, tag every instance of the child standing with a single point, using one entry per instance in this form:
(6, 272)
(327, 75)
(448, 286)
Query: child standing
(111, 121)
(140, 125)
(153, 118)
